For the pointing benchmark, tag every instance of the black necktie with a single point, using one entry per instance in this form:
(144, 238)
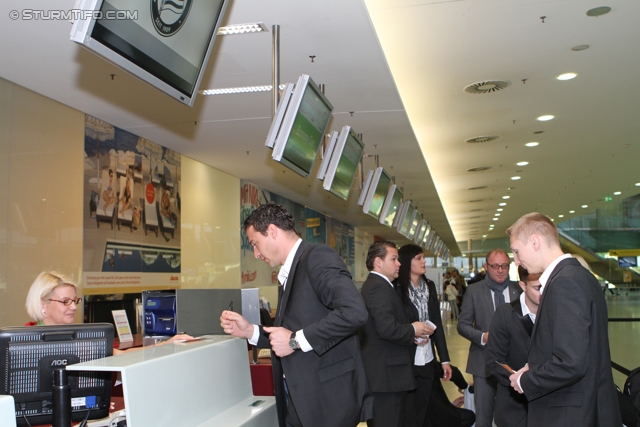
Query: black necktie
(528, 324)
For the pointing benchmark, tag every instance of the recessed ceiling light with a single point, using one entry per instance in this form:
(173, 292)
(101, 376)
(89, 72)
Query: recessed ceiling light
(637, 184)
(499, 209)
(496, 214)
(617, 193)
(484, 235)
(257, 27)
(532, 144)
(502, 204)
(245, 89)
(545, 118)
(495, 219)
(560, 216)
(515, 178)
(572, 211)
(585, 206)
(522, 163)
(506, 197)
(598, 11)
(566, 76)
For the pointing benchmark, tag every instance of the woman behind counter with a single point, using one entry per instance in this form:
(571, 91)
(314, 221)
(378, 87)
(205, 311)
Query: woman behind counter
(52, 300)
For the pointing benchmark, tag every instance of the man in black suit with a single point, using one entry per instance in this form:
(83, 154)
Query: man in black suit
(510, 333)
(568, 379)
(318, 373)
(387, 339)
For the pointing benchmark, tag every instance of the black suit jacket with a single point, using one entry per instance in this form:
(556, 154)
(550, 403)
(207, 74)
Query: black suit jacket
(508, 342)
(328, 385)
(437, 340)
(569, 381)
(387, 338)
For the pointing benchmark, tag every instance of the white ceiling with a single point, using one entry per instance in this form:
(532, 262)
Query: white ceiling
(402, 71)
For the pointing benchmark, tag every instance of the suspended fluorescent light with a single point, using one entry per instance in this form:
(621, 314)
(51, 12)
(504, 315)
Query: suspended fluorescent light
(246, 89)
(256, 27)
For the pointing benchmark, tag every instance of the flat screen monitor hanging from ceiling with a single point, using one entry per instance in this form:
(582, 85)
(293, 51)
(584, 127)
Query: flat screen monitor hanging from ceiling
(166, 44)
(344, 163)
(404, 221)
(300, 131)
(377, 192)
(391, 205)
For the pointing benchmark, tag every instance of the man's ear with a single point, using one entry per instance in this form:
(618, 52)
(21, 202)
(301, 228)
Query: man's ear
(535, 241)
(272, 231)
(522, 285)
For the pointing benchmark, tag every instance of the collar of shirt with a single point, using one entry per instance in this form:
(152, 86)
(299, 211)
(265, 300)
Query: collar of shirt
(545, 275)
(383, 276)
(286, 267)
(525, 309)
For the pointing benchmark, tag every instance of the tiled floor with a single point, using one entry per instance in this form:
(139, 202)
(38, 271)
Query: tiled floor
(624, 340)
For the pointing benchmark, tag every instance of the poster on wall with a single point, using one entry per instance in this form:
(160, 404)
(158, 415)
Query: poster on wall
(131, 209)
(316, 232)
(256, 272)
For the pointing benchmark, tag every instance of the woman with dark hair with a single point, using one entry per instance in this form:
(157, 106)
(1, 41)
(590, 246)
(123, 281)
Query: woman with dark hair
(420, 300)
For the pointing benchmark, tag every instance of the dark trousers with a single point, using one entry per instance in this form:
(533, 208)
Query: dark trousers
(388, 409)
(418, 399)
(291, 420)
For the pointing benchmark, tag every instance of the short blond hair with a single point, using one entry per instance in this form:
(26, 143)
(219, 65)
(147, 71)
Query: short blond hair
(42, 288)
(535, 223)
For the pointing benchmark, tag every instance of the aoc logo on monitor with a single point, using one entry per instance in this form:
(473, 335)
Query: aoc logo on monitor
(169, 15)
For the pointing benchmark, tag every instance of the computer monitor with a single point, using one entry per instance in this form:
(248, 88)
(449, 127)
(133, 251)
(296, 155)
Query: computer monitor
(365, 187)
(166, 44)
(326, 157)
(392, 203)
(303, 126)
(29, 355)
(417, 218)
(627, 261)
(344, 163)
(404, 222)
(377, 193)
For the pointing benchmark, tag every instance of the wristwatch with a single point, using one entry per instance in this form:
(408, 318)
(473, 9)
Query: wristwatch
(293, 342)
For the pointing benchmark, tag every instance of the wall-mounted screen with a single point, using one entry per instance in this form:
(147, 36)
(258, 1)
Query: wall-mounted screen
(326, 158)
(391, 205)
(404, 221)
(628, 261)
(417, 218)
(344, 163)
(422, 228)
(365, 187)
(166, 44)
(377, 192)
(425, 236)
(303, 127)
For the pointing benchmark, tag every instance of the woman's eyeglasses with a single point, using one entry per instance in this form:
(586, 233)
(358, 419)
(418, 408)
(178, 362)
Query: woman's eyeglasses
(67, 302)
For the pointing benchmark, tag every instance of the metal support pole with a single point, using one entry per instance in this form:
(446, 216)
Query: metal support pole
(275, 67)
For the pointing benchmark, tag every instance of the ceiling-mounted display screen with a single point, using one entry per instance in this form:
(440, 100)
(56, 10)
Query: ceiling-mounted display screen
(391, 205)
(303, 127)
(365, 188)
(164, 43)
(344, 163)
(377, 192)
(422, 228)
(404, 222)
(326, 158)
(417, 218)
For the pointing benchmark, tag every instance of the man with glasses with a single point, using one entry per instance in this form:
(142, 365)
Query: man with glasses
(479, 304)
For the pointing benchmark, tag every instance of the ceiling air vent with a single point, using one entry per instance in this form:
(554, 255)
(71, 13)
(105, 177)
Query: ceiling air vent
(481, 139)
(479, 169)
(477, 188)
(487, 86)
(476, 201)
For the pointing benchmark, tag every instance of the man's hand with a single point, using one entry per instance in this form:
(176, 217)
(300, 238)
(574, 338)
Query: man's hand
(422, 329)
(279, 338)
(446, 367)
(514, 378)
(485, 337)
(234, 324)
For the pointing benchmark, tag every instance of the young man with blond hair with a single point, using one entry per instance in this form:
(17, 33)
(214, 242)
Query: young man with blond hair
(568, 379)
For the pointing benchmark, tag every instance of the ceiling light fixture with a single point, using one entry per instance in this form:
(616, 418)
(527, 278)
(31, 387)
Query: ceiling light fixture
(496, 214)
(585, 206)
(532, 144)
(256, 27)
(617, 193)
(495, 219)
(245, 89)
(545, 118)
(598, 11)
(499, 209)
(572, 211)
(522, 163)
(502, 204)
(506, 197)
(515, 178)
(560, 216)
(566, 76)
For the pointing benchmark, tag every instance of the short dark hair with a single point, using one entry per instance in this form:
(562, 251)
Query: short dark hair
(524, 275)
(265, 215)
(378, 250)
